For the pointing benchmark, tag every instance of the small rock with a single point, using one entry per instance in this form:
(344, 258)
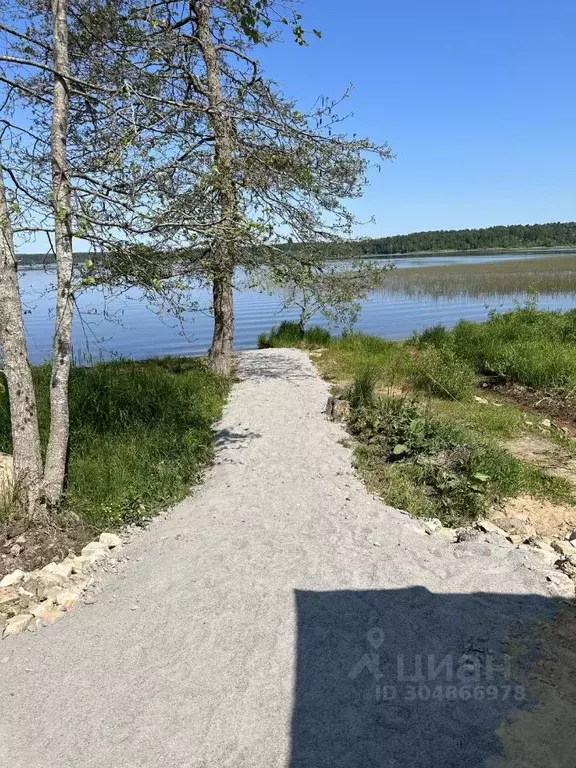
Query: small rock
(541, 544)
(481, 400)
(12, 578)
(515, 538)
(572, 537)
(59, 569)
(8, 596)
(95, 551)
(39, 583)
(110, 540)
(562, 583)
(567, 568)
(549, 558)
(67, 598)
(80, 564)
(546, 423)
(53, 592)
(17, 624)
(15, 550)
(337, 409)
(564, 547)
(488, 527)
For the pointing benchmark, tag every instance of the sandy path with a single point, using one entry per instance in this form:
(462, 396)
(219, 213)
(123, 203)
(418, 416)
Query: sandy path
(272, 618)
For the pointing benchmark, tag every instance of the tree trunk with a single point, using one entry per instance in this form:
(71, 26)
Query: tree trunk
(224, 243)
(220, 356)
(56, 455)
(24, 420)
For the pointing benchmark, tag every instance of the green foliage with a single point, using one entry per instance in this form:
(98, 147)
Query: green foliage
(432, 467)
(290, 334)
(439, 371)
(529, 346)
(140, 433)
(363, 390)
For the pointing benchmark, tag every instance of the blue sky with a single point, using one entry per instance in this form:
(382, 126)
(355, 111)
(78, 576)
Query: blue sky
(476, 100)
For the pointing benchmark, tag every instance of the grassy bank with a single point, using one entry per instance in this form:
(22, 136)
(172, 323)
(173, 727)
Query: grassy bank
(428, 439)
(140, 434)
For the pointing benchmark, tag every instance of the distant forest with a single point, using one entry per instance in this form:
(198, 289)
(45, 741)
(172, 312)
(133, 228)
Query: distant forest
(516, 236)
(553, 235)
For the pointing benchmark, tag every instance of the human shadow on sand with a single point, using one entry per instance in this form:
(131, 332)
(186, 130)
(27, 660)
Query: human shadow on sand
(406, 678)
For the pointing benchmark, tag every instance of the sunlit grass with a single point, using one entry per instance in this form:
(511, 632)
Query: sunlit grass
(140, 434)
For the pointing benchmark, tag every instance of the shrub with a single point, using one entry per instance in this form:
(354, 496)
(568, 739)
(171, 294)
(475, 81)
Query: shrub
(440, 372)
(437, 335)
(363, 389)
(527, 345)
(290, 334)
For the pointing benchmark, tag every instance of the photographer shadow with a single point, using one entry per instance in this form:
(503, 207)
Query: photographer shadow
(407, 678)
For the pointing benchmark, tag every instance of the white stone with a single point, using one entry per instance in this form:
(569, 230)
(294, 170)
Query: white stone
(12, 578)
(17, 624)
(79, 564)
(67, 598)
(111, 540)
(542, 544)
(59, 569)
(564, 547)
(546, 423)
(488, 527)
(95, 551)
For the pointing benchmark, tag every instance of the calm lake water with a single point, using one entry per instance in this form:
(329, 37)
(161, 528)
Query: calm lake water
(128, 327)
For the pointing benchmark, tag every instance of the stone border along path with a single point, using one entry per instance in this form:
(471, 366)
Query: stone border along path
(280, 616)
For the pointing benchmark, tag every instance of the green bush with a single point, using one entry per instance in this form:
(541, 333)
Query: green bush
(529, 346)
(289, 334)
(364, 387)
(434, 468)
(440, 372)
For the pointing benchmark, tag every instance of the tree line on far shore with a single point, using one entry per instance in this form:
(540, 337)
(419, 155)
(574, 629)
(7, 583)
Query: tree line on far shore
(555, 234)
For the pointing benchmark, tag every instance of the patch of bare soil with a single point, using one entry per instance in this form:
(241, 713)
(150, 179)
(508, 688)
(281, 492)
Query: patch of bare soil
(544, 734)
(560, 408)
(28, 547)
(526, 516)
(550, 457)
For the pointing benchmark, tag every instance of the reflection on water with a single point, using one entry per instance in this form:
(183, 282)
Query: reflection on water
(127, 326)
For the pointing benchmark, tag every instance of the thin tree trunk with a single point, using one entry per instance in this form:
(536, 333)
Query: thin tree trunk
(56, 455)
(220, 355)
(24, 419)
(223, 342)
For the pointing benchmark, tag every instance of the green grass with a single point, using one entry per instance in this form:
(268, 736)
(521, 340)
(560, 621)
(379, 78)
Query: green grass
(527, 346)
(140, 434)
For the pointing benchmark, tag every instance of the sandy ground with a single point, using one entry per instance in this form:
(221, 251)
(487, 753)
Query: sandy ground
(283, 617)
